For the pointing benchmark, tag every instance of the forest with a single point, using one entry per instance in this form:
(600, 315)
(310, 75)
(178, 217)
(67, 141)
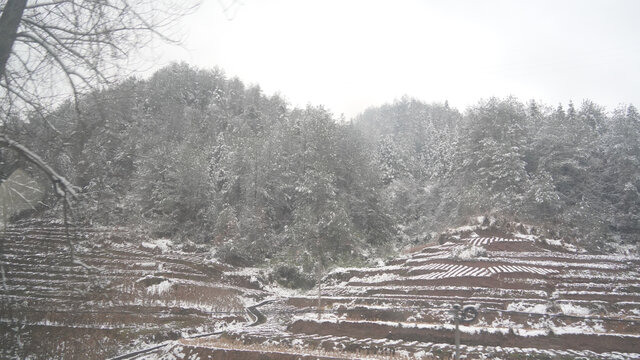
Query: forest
(200, 157)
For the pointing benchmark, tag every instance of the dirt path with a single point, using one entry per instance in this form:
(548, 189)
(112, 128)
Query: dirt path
(259, 317)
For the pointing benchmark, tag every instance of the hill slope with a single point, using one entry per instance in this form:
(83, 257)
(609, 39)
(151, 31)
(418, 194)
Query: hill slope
(536, 298)
(120, 293)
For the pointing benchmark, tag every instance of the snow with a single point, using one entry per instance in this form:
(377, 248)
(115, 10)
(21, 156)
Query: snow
(375, 293)
(553, 242)
(464, 229)
(571, 309)
(375, 278)
(583, 328)
(566, 263)
(487, 240)
(162, 244)
(528, 307)
(248, 271)
(146, 264)
(343, 270)
(578, 328)
(528, 237)
(448, 271)
(469, 253)
(161, 288)
(531, 332)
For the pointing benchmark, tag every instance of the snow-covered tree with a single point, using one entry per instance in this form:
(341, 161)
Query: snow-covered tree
(81, 44)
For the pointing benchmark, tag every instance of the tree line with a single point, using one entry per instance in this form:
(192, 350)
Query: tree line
(198, 156)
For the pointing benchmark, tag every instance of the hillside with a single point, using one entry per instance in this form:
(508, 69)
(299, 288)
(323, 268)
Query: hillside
(120, 293)
(196, 155)
(173, 211)
(536, 298)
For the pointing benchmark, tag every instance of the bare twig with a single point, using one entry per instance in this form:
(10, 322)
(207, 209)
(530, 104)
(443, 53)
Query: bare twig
(60, 183)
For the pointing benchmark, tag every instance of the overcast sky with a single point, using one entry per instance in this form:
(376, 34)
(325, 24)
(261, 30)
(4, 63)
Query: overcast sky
(351, 54)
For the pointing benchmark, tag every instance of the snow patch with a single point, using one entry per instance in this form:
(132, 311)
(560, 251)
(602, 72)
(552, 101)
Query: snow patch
(525, 236)
(528, 307)
(161, 288)
(468, 253)
(375, 278)
(576, 310)
(161, 244)
(146, 264)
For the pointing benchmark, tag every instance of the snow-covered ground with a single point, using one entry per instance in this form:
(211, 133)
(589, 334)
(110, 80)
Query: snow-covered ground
(542, 298)
(527, 294)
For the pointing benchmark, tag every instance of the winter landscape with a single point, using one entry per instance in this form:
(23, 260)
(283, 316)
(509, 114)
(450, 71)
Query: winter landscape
(184, 212)
(536, 298)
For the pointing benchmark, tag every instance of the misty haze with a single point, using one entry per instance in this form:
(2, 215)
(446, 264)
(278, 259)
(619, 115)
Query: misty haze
(319, 180)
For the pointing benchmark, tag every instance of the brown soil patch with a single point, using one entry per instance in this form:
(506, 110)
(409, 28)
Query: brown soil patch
(568, 259)
(311, 303)
(493, 232)
(610, 297)
(239, 354)
(443, 293)
(519, 246)
(597, 343)
(418, 248)
(494, 281)
(250, 348)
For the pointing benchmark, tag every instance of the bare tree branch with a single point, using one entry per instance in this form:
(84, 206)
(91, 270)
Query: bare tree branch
(50, 49)
(43, 4)
(62, 186)
(15, 183)
(87, 40)
(23, 198)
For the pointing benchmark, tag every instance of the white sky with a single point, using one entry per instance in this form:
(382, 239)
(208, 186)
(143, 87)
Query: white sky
(351, 54)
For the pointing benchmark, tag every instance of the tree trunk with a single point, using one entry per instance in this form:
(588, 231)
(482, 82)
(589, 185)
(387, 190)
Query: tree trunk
(319, 284)
(2, 240)
(319, 276)
(65, 205)
(9, 22)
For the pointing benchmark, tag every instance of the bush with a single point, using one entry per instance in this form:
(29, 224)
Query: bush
(292, 277)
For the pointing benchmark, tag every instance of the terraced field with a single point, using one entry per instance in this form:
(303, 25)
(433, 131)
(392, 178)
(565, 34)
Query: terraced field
(536, 298)
(119, 293)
